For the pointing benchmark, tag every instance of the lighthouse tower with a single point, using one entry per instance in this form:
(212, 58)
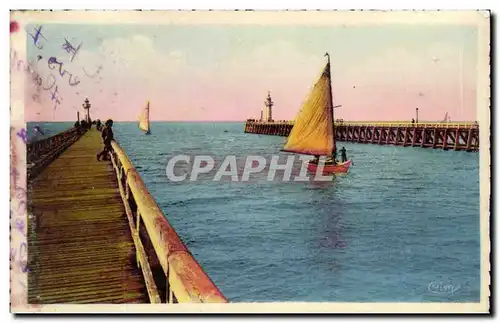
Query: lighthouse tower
(268, 111)
(86, 106)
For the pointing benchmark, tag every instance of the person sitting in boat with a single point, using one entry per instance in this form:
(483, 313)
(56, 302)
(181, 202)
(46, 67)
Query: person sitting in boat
(333, 158)
(343, 154)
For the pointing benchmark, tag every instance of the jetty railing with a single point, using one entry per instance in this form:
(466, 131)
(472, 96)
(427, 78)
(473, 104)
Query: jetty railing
(465, 124)
(171, 273)
(410, 125)
(42, 152)
(444, 135)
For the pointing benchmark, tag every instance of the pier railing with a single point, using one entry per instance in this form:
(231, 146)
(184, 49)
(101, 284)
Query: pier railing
(465, 124)
(444, 135)
(42, 152)
(409, 124)
(171, 273)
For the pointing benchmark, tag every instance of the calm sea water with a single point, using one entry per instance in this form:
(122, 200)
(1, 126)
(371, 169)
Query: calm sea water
(403, 221)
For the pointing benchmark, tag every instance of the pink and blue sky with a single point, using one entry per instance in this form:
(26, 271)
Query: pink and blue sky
(223, 73)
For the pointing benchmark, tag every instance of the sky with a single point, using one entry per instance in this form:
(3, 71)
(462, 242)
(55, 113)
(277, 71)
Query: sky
(223, 73)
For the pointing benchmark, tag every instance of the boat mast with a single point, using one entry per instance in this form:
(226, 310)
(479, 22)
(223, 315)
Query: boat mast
(331, 102)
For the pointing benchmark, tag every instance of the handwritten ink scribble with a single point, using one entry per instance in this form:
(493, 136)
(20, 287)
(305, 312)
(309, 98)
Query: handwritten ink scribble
(36, 37)
(95, 74)
(23, 135)
(53, 61)
(70, 49)
(20, 226)
(14, 26)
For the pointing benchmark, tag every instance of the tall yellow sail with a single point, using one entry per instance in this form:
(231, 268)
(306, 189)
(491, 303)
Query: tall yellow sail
(312, 133)
(144, 119)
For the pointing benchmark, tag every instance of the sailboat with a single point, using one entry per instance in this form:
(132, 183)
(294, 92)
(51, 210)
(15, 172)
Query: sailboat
(314, 131)
(144, 120)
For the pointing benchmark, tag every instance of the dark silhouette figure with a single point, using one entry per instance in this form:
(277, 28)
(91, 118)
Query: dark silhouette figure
(343, 154)
(107, 137)
(83, 124)
(98, 125)
(412, 120)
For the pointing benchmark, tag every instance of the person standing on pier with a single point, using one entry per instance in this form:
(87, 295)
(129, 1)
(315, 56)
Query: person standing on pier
(107, 137)
(343, 154)
(98, 125)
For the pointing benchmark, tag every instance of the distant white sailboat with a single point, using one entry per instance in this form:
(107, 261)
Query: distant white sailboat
(144, 120)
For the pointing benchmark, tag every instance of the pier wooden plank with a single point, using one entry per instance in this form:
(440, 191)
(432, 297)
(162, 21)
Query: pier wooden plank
(80, 249)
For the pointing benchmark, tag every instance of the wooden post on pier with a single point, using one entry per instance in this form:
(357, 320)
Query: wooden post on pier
(405, 140)
(398, 131)
(424, 130)
(434, 142)
(414, 139)
(469, 139)
(374, 131)
(445, 139)
(457, 138)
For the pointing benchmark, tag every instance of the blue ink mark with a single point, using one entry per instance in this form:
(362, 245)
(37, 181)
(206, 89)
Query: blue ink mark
(15, 174)
(55, 97)
(36, 37)
(20, 193)
(70, 49)
(20, 226)
(53, 61)
(23, 135)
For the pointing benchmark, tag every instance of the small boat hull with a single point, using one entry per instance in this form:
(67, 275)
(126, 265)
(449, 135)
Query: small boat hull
(330, 168)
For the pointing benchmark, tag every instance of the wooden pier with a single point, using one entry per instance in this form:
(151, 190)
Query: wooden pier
(446, 136)
(96, 235)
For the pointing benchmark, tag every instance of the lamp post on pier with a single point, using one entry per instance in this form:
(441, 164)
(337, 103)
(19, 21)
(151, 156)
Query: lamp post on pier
(416, 120)
(86, 106)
